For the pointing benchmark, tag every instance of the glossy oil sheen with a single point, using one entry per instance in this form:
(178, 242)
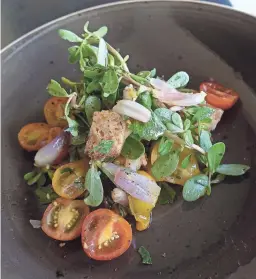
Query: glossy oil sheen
(209, 238)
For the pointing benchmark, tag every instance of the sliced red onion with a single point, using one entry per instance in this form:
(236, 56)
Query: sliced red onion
(54, 152)
(173, 97)
(133, 110)
(137, 185)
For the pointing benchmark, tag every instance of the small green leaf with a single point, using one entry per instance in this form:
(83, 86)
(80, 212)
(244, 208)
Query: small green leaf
(165, 165)
(91, 105)
(145, 99)
(66, 170)
(185, 162)
(167, 194)
(104, 146)
(110, 100)
(173, 128)
(215, 155)
(187, 124)
(100, 33)
(202, 113)
(41, 181)
(132, 148)
(145, 256)
(34, 179)
(93, 72)
(93, 86)
(153, 72)
(144, 74)
(195, 187)
(50, 174)
(110, 82)
(187, 136)
(69, 82)
(205, 140)
(232, 169)
(219, 178)
(46, 194)
(165, 146)
(102, 56)
(74, 54)
(94, 186)
(55, 89)
(29, 175)
(72, 126)
(69, 36)
(164, 114)
(179, 80)
(176, 120)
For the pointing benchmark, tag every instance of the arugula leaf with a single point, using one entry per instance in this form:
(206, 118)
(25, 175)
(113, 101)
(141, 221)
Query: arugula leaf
(109, 82)
(145, 99)
(94, 185)
(232, 169)
(185, 162)
(104, 146)
(165, 165)
(179, 80)
(151, 130)
(69, 36)
(46, 194)
(145, 256)
(195, 187)
(167, 194)
(132, 148)
(74, 54)
(102, 57)
(215, 155)
(164, 114)
(92, 104)
(165, 146)
(205, 140)
(55, 89)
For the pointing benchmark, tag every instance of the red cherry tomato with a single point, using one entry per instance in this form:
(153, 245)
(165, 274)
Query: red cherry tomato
(105, 235)
(219, 96)
(63, 219)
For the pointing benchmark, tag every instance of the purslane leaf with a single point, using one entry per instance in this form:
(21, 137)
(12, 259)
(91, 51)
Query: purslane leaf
(232, 169)
(69, 36)
(215, 155)
(55, 89)
(132, 149)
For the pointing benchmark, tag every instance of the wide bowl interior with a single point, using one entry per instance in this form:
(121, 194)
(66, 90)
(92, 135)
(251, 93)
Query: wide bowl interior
(206, 239)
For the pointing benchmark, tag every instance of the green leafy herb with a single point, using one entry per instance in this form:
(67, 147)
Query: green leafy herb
(29, 175)
(72, 124)
(165, 146)
(55, 89)
(132, 148)
(102, 57)
(205, 140)
(165, 165)
(151, 130)
(202, 113)
(187, 124)
(219, 178)
(187, 136)
(110, 82)
(74, 54)
(179, 80)
(164, 114)
(176, 125)
(167, 194)
(215, 155)
(195, 187)
(92, 104)
(94, 186)
(185, 162)
(104, 146)
(41, 181)
(66, 170)
(69, 36)
(34, 179)
(232, 169)
(145, 256)
(145, 99)
(153, 72)
(46, 194)
(101, 32)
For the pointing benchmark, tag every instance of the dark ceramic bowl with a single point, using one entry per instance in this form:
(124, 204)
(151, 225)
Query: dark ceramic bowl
(210, 238)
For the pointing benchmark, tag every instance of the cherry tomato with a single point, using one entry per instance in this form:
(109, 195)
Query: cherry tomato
(53, 133)
(34, 136)
(68, 180)
(54, 111)
(105, 235)
(219, 96)
(63, 219)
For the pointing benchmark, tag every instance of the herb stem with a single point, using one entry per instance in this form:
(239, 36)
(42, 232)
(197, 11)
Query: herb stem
(180, 141)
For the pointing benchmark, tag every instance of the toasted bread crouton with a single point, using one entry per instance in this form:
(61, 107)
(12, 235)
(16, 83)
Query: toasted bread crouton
(106, 125)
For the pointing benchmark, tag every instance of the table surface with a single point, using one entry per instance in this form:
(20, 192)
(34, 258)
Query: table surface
(22, 16)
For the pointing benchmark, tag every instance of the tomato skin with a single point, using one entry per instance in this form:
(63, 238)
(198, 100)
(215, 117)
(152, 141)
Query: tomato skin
(34, 136)
(54, 112)
(63, 183)
(59, 233)
(218, 95)
(105, 235)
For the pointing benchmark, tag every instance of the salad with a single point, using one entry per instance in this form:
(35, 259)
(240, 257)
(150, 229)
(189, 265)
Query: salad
(115, 143)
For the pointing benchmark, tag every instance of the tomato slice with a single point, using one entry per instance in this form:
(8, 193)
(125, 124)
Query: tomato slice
(105, 235)
(33, 136)
(63, 219)
(68, 180)
(218, 95)
(54, 111)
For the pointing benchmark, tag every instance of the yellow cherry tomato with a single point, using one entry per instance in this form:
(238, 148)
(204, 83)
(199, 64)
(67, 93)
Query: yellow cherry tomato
(141, 210)
(180, 176)
(68, 180)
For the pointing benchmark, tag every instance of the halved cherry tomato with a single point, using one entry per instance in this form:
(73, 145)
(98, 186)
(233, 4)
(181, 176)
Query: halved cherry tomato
(219, 96)
(68, 180)
(63, 219)
(105, 235)
(34, 136)
(53, 133)
(54, 111)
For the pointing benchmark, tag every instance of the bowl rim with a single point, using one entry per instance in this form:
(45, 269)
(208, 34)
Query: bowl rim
(37, 30)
